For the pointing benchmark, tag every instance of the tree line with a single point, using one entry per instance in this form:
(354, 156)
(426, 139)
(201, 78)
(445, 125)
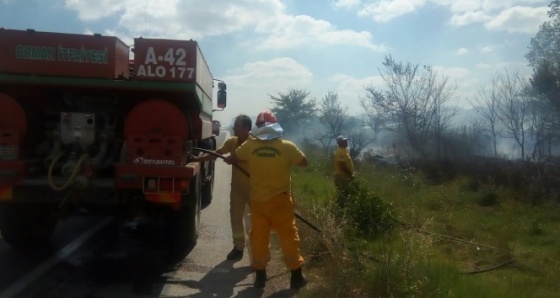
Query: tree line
(415, 106)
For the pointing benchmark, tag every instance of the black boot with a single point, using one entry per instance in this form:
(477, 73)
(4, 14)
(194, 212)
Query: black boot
(260, 278)
(298, 279)
(235, 255)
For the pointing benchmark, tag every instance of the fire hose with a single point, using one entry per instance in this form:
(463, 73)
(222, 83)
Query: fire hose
(247, 174)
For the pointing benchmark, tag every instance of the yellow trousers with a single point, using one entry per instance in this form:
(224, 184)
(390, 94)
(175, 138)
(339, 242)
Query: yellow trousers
(239, 198)
(275, 214)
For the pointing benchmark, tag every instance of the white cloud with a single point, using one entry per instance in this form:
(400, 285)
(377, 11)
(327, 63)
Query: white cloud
(386, 10)
(346, 3)
(295, 31)
(518, 19)
(514, 16)
(94, 10)
(462, 52)
(195, 19)
(468, 18)
(507, 16)
(460, 6)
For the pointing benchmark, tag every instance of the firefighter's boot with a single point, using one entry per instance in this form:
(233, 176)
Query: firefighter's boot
(235, 255)
(297, 279)
(260, 278)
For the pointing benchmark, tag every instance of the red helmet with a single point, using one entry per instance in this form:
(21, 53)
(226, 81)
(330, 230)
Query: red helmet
(265, 117)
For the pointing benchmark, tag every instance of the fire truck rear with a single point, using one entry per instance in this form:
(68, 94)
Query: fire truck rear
(84, 126)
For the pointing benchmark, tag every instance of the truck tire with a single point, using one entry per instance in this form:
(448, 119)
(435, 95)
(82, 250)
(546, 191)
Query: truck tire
(26, 225)
(184, 224)
(209, 177)
(208, 185)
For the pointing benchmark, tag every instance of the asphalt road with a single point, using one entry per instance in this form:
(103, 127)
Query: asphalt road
(94, 256)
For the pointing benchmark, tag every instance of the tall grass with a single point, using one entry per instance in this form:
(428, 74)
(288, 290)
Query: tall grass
(418, 257)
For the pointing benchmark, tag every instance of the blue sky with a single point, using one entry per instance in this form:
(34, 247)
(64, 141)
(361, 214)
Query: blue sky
(262, 47)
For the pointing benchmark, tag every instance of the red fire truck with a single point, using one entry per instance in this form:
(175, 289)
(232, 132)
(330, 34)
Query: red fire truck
(84, 125)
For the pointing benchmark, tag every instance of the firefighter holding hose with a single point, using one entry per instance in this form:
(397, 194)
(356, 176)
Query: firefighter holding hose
(268, 159)
(239, 195)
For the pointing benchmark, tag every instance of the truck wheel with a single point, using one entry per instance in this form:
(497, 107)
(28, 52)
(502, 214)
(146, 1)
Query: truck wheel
(209, 177)
(27, 226)
(208, 185)
(184, 224)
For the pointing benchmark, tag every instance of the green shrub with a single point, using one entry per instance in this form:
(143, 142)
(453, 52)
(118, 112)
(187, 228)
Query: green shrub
(364, 210)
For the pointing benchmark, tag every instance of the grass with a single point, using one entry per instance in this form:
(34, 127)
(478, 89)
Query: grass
(492, 225)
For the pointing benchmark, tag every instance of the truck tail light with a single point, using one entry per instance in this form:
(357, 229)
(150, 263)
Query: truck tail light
(184, 184)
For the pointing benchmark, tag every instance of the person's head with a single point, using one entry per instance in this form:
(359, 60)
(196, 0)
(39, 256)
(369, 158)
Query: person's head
(342, 141)
(267, 128)
(265, 118)
(242, 126)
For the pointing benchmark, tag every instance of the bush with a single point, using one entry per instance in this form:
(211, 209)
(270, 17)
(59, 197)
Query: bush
(364, 210)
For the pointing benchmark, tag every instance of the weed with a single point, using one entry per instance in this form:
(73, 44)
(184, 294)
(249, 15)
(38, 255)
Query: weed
(363, 252)
(366, 211)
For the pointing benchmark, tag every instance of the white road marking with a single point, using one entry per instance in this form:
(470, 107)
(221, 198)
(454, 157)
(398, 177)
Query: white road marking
(40, 270)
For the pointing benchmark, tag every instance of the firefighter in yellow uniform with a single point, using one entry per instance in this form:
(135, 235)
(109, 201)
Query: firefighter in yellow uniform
(343, 166)
(239, 194)
(269, 159)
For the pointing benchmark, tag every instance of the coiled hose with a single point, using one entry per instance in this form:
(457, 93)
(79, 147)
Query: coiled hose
(72, 177)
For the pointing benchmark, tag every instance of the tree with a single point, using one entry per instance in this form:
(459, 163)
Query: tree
(544, 57)
(359, 141)
(514, 108)
(332, 115)
(292, 109)
(538, 130)
(487, 106)
(376, 114)
(416, 102)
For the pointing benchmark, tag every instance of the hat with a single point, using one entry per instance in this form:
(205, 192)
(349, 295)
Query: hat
(265, 117)
(341, 138)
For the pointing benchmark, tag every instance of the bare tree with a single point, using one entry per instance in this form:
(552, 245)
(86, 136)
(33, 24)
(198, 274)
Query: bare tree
(487, 106)
(514, 108)
(417, 103)
(376, 114)
(359, 140)
(332, 115)
(443, 111)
